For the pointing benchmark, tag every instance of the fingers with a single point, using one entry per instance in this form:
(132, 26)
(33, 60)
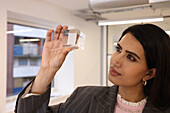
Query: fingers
(62, 31)
(57, 32)
(48, 36)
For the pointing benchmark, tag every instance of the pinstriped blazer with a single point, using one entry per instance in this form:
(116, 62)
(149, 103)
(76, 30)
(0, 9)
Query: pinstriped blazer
(89, 99)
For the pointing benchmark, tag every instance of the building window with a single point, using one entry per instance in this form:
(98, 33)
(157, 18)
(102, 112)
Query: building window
(22, 61)
(35, 61)
(24, 51)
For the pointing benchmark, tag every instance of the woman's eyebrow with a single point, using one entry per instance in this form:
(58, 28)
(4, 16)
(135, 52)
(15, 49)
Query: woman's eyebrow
(119, 45)
(132, 54)
(127, 51)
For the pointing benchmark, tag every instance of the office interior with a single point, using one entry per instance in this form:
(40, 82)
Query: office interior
(20, 57)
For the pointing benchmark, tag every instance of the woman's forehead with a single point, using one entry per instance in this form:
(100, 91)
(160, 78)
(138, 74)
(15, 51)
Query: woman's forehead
(130, 43)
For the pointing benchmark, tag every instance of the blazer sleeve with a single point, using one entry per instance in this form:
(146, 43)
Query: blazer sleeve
(39, 103)
(33, 103)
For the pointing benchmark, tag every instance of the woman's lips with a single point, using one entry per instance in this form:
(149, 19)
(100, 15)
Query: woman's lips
(114, 72)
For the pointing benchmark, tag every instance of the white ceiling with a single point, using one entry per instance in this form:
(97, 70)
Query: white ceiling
(81, 9)
(72, 5)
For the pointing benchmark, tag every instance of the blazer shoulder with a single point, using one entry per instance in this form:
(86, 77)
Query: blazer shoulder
(83, 97)
(94, 90)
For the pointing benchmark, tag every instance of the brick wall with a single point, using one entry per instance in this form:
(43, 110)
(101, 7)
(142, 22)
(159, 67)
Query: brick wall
(10, 58)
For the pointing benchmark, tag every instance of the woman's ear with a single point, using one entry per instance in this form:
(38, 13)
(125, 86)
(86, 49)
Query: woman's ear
(151, 74)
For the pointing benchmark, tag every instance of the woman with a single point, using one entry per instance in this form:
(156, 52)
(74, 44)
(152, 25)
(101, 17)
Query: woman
(138, 68)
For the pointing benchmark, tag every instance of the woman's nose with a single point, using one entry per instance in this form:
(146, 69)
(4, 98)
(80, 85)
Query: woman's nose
(116, 62)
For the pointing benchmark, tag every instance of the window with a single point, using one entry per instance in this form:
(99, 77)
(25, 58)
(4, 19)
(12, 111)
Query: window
(35, 61)
(24, 45)
(22, 61)
(24, 50)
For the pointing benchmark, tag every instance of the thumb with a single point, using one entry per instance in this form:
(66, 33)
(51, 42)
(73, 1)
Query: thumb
(67, 50)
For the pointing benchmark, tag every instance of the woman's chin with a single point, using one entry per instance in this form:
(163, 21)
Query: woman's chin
(112, 81)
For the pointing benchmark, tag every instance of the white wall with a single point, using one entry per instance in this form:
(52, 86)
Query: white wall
(87, 62)
(64, 81)
(3, 58)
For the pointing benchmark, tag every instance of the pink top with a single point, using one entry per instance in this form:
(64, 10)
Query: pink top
(123, 106)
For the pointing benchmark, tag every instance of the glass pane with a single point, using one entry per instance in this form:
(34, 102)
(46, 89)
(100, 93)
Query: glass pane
(24, 50)
(22, 61)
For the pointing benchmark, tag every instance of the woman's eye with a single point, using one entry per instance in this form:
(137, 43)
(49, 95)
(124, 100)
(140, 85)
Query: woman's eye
(130, 57)
(118, 49)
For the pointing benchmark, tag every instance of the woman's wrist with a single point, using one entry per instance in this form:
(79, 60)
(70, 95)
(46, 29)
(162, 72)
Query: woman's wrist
(42, 80)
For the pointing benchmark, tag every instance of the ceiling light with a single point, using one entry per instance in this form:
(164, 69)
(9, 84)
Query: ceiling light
(18, 31)
(29, 40)
(168, 32)
(132, 21)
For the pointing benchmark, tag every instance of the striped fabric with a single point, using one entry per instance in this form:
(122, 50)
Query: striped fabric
(89, 99)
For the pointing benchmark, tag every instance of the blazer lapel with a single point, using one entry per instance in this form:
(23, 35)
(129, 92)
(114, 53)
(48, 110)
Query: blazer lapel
(107, 99)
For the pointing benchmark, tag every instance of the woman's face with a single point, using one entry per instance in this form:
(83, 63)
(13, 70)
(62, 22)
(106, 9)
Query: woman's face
(128, 64)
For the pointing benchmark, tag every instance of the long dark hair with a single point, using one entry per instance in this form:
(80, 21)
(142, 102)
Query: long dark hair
(156, 44)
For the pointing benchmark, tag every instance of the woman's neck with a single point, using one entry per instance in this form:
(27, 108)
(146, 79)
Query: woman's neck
(132, 94)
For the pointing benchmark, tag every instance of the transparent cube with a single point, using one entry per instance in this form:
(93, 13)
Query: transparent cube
(73, 38)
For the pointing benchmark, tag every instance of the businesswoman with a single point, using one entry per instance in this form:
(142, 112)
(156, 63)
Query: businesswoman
(139, 68)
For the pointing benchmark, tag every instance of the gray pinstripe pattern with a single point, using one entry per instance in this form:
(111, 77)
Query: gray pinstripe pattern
(90, 99)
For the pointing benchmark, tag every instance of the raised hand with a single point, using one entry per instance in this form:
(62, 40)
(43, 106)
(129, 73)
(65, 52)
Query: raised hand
(53, 52)
(53, 57)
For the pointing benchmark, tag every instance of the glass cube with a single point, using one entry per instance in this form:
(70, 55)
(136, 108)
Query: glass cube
(73, 38)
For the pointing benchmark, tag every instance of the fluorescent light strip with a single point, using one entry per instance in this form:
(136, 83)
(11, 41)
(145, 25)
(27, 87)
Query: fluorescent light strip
(102, 23)
(18, 31)
(29, 40)
(168, 32)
